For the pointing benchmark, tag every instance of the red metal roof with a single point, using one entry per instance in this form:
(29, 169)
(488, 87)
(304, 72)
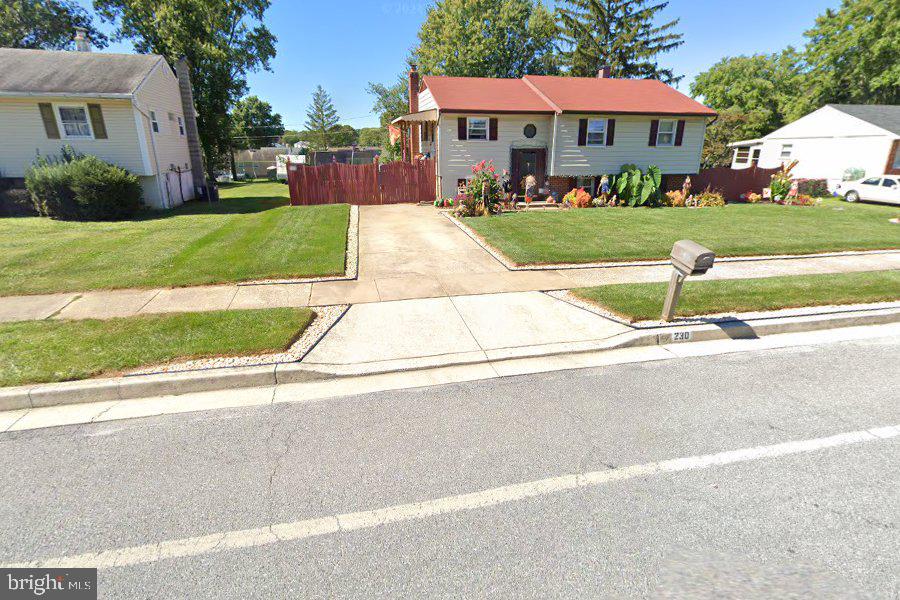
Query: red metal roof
(484, 94)
(545, 94)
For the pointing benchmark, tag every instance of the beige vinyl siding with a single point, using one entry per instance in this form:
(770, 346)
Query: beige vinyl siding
(426, 100)
(630, 146)
(456, 157)
(167, 148)
(22, 134)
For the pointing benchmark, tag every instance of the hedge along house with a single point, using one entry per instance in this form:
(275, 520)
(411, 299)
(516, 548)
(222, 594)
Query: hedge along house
(568, 131)
(129, 110)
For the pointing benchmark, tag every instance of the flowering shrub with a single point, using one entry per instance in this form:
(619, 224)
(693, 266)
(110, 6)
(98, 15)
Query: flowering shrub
(781, 181)
(706, 199)
(817, 188)
(578, 198)
(675, 199)
(484, 189)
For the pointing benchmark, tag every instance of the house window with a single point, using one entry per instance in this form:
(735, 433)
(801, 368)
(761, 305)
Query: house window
(665, 135)
(180, 126)
(478, 128)
(742, 156)
(896, 163)
(461, 186)
(755, 159)
(596, 132)
(74, 121)
(530, 130)
(786, 150)
(154, 124)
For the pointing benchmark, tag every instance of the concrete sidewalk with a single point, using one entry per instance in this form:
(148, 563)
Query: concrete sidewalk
(375, 286)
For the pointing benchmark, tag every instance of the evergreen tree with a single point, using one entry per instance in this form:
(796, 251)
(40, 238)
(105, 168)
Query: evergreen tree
(620, 34)
(321, 117)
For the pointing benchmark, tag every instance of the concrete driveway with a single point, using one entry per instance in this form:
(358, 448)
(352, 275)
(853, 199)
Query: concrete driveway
(436, 331)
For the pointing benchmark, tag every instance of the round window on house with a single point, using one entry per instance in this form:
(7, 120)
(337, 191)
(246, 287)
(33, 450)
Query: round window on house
(530, 131)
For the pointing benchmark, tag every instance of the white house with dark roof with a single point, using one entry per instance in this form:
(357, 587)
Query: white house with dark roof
(127, 109)
(829, 141)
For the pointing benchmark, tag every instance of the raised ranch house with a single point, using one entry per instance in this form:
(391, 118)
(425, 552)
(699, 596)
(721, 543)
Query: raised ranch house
(126, 109)
(830, 141)
(568, 131)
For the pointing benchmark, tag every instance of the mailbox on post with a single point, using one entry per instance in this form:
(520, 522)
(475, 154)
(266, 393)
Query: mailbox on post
(688, 258)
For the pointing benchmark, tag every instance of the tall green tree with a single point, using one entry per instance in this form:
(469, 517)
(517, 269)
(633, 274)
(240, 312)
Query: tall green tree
(373, 137)
(253, 124)
(729, 126)
(762, 88)
(391, 101)
(621, 34)
(487, 38)
(321, 118)
(45, 24)
(853, 55)
(224, 40)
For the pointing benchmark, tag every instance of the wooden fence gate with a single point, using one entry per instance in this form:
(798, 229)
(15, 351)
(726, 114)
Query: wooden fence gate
(337, 183)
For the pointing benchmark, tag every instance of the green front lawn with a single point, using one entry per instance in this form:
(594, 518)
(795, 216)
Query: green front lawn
(644, 301)
(617, 234)
(251, 234)
(46, 351)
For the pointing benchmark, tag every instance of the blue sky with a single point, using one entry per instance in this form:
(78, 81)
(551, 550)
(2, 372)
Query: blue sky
(344, 45)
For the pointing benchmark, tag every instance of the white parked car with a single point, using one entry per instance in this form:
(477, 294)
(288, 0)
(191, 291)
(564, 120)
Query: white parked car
(881, 188)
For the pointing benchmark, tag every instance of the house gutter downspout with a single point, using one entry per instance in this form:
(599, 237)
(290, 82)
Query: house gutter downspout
(163, 195)
(553, 147)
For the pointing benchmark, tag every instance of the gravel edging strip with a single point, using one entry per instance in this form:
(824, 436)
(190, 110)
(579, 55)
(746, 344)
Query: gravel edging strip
(325, 319)
(510, 265)
(176, 383)
(351, 265)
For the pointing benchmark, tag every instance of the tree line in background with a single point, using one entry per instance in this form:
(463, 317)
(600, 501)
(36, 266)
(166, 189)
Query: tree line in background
(852, 55)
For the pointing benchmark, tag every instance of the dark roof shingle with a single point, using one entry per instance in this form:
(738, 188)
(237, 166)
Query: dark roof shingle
(61, 72)
(886, 116)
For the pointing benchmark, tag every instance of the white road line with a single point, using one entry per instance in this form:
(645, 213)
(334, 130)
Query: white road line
(298, 530)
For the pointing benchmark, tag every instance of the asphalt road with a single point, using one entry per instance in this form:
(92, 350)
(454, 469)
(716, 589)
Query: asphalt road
(816, 522)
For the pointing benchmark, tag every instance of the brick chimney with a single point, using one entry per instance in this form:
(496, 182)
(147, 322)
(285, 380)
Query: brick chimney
(413, 108)
(82, 42)
(195, 151)
(605, 72)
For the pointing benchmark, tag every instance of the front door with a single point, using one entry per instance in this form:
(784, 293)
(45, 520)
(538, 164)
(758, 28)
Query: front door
(527, 162)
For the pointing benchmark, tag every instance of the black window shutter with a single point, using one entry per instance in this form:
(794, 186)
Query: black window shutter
(462, 128)
(97, 122)
(49, 119)
(492, 127)
(610, 132)
(679, 133)
(654, 129)
(582, 132)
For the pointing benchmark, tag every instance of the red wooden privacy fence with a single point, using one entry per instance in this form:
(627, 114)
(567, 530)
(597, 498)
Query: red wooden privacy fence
(733, 182)
(336, 183)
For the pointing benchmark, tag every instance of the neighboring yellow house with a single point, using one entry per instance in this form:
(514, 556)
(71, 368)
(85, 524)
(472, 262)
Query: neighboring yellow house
(127, 109)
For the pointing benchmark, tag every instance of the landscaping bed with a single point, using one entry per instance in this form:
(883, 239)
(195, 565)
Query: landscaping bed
(644, 301)
(626, 234)
(50, 351)
(252, 234)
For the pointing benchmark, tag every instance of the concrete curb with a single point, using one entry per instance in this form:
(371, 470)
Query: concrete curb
(173, 384)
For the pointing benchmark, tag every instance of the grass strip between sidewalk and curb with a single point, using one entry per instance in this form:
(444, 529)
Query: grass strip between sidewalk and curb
(53, 351)
(548, 237)
(251, 234)
(644, 301)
